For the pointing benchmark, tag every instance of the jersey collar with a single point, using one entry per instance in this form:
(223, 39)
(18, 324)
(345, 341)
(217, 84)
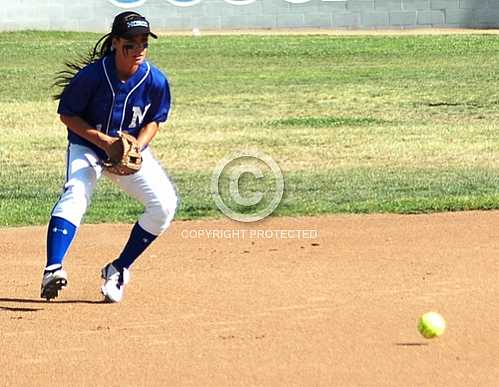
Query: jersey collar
(110, 63)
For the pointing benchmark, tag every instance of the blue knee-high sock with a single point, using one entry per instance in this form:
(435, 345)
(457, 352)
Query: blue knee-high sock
(139, 240)
(60, 235)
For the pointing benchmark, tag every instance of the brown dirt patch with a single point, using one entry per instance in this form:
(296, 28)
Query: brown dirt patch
(340, 309)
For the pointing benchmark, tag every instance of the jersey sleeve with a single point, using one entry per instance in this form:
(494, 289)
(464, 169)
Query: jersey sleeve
(161, 102)
(77, 94)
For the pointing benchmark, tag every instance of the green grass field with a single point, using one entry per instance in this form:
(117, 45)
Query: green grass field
(357, 124)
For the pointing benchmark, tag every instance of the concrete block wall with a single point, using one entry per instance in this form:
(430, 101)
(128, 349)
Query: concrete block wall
(97, 15)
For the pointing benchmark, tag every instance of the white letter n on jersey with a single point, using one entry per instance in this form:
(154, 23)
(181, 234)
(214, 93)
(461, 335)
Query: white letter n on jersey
(138, 115)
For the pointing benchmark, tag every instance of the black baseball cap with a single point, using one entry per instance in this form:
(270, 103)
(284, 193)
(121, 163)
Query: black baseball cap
(128, 24)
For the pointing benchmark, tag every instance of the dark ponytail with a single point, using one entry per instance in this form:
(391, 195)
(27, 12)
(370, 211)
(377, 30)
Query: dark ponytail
(63, 77)
(124, 25)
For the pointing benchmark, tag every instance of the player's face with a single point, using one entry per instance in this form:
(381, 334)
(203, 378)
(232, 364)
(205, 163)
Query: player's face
(133, 50)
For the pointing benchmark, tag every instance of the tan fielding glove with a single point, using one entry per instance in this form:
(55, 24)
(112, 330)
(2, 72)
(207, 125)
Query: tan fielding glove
(124, 156)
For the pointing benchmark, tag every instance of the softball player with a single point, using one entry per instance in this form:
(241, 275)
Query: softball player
(115, 90)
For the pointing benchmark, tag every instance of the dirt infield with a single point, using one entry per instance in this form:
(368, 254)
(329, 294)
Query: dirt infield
(307, 301)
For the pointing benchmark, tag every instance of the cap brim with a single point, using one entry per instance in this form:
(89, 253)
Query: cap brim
(139, 31)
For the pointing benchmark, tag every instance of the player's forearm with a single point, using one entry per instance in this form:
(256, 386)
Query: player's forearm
(85, 130)
(147, 133)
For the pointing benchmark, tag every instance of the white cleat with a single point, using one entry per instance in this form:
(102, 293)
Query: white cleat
(114, 283)
(52, 283)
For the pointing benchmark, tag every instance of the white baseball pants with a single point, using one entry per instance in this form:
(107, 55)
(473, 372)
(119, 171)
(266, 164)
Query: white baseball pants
(150, 186)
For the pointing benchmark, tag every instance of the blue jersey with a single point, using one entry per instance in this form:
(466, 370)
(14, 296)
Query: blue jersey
(97, 95)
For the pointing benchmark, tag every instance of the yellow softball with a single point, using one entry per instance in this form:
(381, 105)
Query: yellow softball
(431, 324)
